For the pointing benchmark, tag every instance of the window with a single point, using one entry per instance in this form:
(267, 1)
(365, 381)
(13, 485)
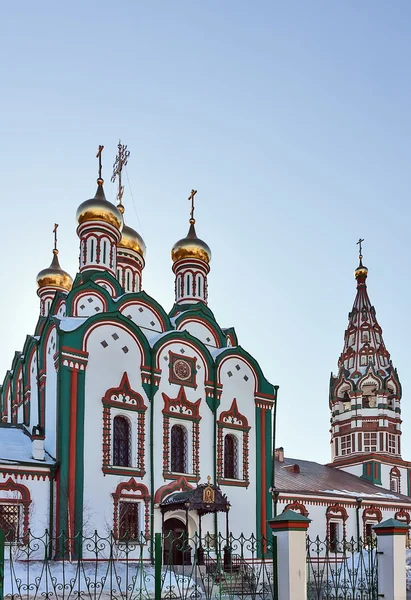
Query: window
(9, 521)
(178, 449)
(199, 288)
(351, 339)
(92, 250)
(369, 531)
(391, 443)
(345, 444)
(104, 252)
(333, 535)
(351, 362)
(128, 521)
(230, 457)
(121, 442)
(365, 335)
(370, 442)
(363, 360)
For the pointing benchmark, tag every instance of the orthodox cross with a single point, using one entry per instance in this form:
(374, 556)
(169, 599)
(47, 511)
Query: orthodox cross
(55, 235)
(120, 162)
(359, 243)
(98, 155)
(191, 197)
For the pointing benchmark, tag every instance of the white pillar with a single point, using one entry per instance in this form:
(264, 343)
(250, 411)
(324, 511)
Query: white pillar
(391, 536)
(290, 530)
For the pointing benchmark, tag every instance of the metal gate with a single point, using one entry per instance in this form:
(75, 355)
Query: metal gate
(342, 570)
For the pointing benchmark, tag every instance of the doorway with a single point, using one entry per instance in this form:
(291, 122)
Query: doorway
(177, 550)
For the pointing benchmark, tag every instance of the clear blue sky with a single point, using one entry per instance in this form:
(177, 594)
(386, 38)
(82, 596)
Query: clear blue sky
(291, 119)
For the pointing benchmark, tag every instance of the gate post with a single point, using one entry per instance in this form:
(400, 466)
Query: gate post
(391, 536)
(290, 529)
(157, 566)
(2, 539)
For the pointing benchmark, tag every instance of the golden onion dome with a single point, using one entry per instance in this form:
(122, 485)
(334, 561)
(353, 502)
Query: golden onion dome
(361, 270)
(54, 276)
(99, 209)
(191, 247)
(131, 240)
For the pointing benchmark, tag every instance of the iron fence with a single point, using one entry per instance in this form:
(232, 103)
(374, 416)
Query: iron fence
(342, 570)
(98, 567)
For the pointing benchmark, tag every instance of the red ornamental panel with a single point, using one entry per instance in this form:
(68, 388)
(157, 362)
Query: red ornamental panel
(183, 370)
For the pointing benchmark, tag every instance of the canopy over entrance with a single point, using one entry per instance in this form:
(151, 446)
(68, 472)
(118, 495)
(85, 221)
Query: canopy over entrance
(205, 498)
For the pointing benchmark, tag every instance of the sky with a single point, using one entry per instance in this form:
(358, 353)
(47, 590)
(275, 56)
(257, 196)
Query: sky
(291, 119)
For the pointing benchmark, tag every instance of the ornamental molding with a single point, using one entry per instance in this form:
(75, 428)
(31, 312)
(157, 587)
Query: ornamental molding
(233, 419)
(180, 407)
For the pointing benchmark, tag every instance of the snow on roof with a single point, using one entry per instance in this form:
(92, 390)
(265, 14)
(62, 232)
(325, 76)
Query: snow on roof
(15, 447)
(71, 323)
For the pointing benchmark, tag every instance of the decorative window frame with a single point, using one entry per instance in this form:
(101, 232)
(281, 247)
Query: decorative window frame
(336, 513)
(122, 401)
(370, 515)
(180, 411)
(191, 380)
(11, 487)
(133, 492)
(297, 507)
(233, 422)
(395, 476)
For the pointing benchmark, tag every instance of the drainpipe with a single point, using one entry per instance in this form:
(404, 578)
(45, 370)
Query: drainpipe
(274, 492)
(357, 510)
(53, 471)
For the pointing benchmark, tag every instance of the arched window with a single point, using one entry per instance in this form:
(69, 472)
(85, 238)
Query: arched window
(92, 250)
(188, 285)
(178, 449)
(121, 442)
(199, 286)
(128, 281)
(230, 457)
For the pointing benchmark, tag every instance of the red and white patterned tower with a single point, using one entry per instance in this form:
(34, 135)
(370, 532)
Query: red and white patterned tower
(365, 396)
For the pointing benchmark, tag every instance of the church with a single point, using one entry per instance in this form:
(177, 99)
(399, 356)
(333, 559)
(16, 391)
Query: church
(119, 416)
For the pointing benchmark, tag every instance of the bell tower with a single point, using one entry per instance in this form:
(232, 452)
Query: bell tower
(365, 396)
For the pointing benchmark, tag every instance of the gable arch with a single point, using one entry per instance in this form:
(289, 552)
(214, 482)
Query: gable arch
(182, 336)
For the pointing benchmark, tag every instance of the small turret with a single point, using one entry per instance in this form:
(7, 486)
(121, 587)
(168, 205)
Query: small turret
(191, 257)
(52, 280)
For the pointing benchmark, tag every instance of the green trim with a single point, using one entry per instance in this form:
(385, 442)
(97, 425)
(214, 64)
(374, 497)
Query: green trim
(63, 428)
(79, 493)
(269, 462)
(375, 471)
(258, 474)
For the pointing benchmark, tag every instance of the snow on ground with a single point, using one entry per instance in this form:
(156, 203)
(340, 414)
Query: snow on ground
(90, 579)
